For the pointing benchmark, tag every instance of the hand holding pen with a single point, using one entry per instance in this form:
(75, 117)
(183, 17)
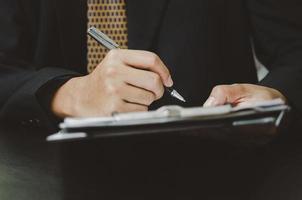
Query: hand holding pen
(104, 40)
(125, 81)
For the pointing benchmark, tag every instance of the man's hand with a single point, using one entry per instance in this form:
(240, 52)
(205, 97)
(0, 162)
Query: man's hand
(125, 81)
(241, 95)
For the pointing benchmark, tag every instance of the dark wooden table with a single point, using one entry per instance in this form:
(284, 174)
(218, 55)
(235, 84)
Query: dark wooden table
(147, 168)
(29, 167)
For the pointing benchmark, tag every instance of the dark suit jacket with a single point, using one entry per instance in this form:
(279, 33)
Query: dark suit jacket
(204, 43)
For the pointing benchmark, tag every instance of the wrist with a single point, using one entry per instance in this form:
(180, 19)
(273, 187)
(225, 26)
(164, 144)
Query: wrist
(62, 104)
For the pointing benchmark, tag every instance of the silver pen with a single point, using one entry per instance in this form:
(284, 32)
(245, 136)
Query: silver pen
(103, 39)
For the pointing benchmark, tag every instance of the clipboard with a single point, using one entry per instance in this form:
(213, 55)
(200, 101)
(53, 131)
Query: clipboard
(224, 122)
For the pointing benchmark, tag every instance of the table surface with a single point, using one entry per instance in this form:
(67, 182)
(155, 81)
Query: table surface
(28, 166)
(146, 168)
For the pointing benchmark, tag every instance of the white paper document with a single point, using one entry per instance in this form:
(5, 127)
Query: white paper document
(165, 114)
(171, 118)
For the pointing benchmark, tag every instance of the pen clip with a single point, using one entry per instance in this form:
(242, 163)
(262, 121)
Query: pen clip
(102, 38)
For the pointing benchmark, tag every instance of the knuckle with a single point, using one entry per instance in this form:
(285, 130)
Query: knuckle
(156, 81)
(150, 99)
(219, 89)
(154, 59)
(156, 86)
(111, 71)
(113, 54)
(109, 63)
(161, 93)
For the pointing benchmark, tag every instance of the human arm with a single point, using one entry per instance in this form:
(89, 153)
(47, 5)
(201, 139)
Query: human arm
(276, 30)
(20, 77)
(125, 81)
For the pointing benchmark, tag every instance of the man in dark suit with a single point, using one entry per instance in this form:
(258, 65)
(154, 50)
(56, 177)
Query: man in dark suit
(200, 44)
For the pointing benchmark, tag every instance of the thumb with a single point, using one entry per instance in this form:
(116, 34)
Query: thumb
(225, 94)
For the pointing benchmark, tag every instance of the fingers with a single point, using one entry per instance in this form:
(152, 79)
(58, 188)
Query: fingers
(120, 106)
(142, 60)
(224, 94)
(149, 81)
(130, 107)
(117, 91)
(246, 104)
(136, 95)
(116, 71)
(125, 81)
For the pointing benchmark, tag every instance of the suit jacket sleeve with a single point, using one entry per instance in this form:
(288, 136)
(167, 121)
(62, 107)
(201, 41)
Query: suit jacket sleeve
(19, 78)
(277, 35)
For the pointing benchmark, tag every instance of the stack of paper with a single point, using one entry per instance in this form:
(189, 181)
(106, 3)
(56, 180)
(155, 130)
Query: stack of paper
(80, 127)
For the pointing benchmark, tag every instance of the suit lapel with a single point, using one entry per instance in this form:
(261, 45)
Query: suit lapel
(144, 18)
(71, 16)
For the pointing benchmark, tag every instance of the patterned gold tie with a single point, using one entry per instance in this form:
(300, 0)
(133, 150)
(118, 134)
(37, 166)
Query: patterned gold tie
(110, 17)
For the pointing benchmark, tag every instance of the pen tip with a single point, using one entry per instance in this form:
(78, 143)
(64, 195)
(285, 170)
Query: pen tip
(175, 94)
(182, 99)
